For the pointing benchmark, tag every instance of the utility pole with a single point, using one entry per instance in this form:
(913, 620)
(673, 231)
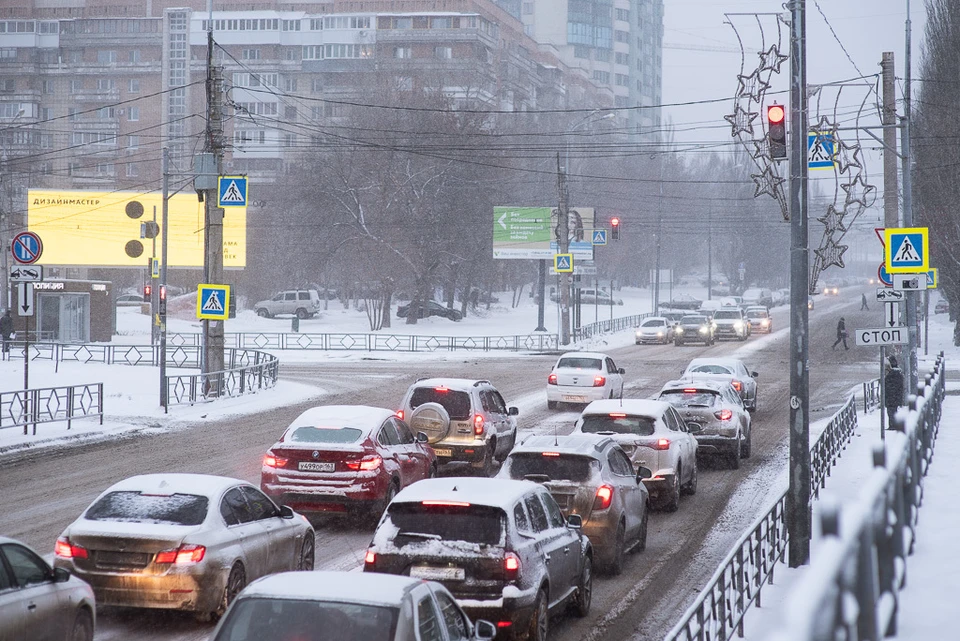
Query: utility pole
(907, 168)
(889, 120)
(563, 241)
(213, 221)
(656, 291)
(710, 254)
(541, 294)
(799, 516)
(162, 307)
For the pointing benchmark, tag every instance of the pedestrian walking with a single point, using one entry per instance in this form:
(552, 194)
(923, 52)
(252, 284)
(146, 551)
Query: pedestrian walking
(863, 302)
(841, 334)
(6, 331)
(892, 389)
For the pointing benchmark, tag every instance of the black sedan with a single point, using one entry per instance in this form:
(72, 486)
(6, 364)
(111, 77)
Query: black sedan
(431, 308)
(694, 328)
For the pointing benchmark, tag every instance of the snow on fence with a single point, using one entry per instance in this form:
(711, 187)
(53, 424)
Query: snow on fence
(871, 395)
(605, 326)
(717, 613)
(851, 590)
(24, 408)
(539, 342)
(246, 371)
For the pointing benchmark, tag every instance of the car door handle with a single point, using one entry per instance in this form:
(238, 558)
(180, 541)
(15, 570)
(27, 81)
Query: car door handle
(566, 550)
(32, 606)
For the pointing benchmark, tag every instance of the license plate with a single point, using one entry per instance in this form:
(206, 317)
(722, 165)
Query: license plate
(574, 399)
(122, 558)
(311, 466)
(437, 574)
(442, 451)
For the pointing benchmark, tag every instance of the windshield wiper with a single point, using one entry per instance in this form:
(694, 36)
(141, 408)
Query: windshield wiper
(420, 535)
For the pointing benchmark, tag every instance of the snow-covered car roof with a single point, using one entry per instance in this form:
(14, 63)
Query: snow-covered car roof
(462, 384)
(638, 406)
(344, 587)
(359, 416)
(724, 362)
(175, 483)
(599, 355)
(654, 318)
(697, 382)
(501, 493)
(581, 444)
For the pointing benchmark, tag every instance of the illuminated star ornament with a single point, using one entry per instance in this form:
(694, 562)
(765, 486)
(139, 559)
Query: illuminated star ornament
(847, 157)
(752, 86)
(767, 182)
(858, 191)
(832, 220)
(772, 59)
(830, 253)
(761, 149)
(741, 121)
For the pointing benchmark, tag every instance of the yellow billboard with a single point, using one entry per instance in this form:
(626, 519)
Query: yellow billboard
(103, 229)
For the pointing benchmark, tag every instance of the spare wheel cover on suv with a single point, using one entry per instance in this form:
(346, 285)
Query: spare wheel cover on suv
(432, 419)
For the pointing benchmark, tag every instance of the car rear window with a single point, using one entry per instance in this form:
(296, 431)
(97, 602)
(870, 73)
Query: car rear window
(447, 522)
(258, 618)
(619, 424)
(710, 369)
(310, 434)
(566, 467)
(581, 363)
(699, 398)
(137, 507)
(456, 403)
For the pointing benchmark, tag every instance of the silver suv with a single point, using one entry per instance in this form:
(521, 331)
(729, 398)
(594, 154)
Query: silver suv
(464, 420)
(730, 323)
(303, 303)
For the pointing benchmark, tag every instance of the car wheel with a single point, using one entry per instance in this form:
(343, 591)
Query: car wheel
(511, 443)
(540, 619)
(489, 457)
(263, 313)
(673, 501)
(379, 507)
(736, 455)
(581, 605)
(82, 627)
(691, 487)
(236, 581)
(307, 553)
(677, 343)
(551, 405)
(746, 447)
(456, 316)
(302, 314)
(615, 564)
(642, 537)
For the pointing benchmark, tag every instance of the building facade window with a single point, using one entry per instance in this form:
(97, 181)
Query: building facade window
(250, 54)
(582, 52)
(602, 76)
(134, 56)
(106, 57)
(106, 84)
(132, 170)
(76, 85)
(443, 53)
(133, 114)
(134, 85)
(402, 52)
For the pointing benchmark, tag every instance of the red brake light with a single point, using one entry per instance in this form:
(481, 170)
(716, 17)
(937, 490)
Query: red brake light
(478, 424)
(552, 379)
(370, 558)
(689, 390)
(553, 454)
(724, 415)
(504, 624)
(400, 414)
(599, 381)
(182, 555)
(445, 503)
(511, 566)
(442, 390)
(67, 550)
(618, 416)
(663, 444)
(366, 464)
(272, 460)
(604, 497)
(737, 385)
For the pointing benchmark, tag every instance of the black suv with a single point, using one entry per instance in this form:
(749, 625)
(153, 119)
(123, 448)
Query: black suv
(502, 547)
(694, 328)
(431, 308)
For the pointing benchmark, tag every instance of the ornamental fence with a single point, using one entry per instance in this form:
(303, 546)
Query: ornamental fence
(607, 326)
(26, 408)
(248, 371)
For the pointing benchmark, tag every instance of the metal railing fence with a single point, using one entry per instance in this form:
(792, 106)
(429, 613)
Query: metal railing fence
(247, 371)
(606, 326)
(26, 408)
(871, 395)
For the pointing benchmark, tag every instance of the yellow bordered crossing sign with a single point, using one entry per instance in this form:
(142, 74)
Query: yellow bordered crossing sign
(563, 263)
(906, 250)
(213, 302)
(933, 278)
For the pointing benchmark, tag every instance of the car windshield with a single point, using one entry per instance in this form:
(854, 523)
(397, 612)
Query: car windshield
(447, 522)
(710, 369)
(456, 403)
(653, 323)
(563, 467)
(722, 315)
(618, 424)
(693, 320)
(695, 398)
(260, 618)
(310, 434)
(138, 507)
(757, 314)
(579, 363)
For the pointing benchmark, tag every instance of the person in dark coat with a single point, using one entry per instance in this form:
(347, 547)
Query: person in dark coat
(863, 302)
(892, 389)
(6, 330)
(841, 334)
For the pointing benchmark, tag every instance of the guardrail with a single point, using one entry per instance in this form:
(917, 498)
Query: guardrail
(25, 408)
(110, 354)
(247, 371)
(719, 609)
(612, 325)
(851, 591)
(871, 395)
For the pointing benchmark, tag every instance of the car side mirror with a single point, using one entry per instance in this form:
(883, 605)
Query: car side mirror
(574, 522)
(644, 473)
(60, 575)
(484, 630)
(286, 512)
(754, 374)
(621, 371)
(422, 437)
(513, 411)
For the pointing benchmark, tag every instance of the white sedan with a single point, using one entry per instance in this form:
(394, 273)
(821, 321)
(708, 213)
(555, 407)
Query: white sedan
(583, 377)
(655, 329)
(654, 436)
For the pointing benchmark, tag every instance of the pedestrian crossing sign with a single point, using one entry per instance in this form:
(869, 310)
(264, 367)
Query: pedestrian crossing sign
(906, 250)
(821, 148)
(232, 191)
(599, 236)
(213, 302)
(933, 278)
(563, 263)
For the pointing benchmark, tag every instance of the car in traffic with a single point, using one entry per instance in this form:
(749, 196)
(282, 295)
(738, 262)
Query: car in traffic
(730, 323)
(582, 377)
(758, 296)
(40, 602)
(731, 369)
(830, 289)
(302, 303)
(714, 415)
(655, 329)
(182, 542)
(759, 319)
(810, 304)
(502, 547)
(654, 436)
(942, 307)
(345, 458)
(347, 606)
(591, 476)
(465, 420)
(694, 328)
(431, 308)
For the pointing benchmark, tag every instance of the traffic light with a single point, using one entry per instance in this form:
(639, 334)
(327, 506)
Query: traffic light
(614, 229)
(777, 131)
(147, 290)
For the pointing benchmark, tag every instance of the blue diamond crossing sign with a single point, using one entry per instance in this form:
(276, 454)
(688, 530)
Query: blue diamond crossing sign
(906, 250)
(599, 236)
(232, 191)
(563, 263)
(213, 302)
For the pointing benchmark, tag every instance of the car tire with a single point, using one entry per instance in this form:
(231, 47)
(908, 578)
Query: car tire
(551, 405)
(734, 458)
(302, 314)
(581, 604)
(642, 537)
(489, 459)
(677, 343)
(456, 316)
(615, 562)
(263, 313)
(511, 443)
(539, 626)
(673, 501)
(82, 626)
(432, 474)
(307, 553)
(236, 581)
(379, 507)
(747, 445)
(691, 487)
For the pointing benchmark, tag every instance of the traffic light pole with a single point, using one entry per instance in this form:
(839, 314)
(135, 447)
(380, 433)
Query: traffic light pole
(563, 241)
(213, 225)
(162, 306)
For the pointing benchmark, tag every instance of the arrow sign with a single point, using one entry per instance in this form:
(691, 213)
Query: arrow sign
(892, 314)
(502, 219)
(25, 299)
(23, 274)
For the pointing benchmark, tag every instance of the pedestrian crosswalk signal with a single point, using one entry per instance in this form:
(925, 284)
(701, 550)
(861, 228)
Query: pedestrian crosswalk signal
(147, 291)
(777, 131)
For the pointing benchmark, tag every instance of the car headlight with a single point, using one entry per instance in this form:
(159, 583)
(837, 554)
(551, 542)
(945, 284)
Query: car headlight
(639, 333)
(703, 330)
(679, 330)
(764, 322)
(737, 325)
(659, 334)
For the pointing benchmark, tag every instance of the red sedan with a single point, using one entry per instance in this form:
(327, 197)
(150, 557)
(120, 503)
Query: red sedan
(341, 458)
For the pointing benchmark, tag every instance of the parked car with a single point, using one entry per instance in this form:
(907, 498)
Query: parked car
(182, 542)
(502, 547)
(340, 458)
(464, 420)
(730, 322)
(655, 329)
(694, 329)
(129, 300)
(759, 319)
(942, 307)
(685, 302)
(39, 602)
(581, 377)
(431, 308)
(302, 303)
(730, 369)
(347, 606)
(714, 414)
(654, 436)
(591, 476)
(708, 307)
(758, 296)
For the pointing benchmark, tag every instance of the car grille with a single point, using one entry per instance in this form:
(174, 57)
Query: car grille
(106, 560)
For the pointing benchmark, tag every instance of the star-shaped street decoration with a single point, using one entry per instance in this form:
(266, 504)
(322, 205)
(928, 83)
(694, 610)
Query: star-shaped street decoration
(741, 121)
(761, 149)
(832, 220)
(772, 59)
(830, 253)
(752, 86)
(858, 191)
(767, 183)
(848, 157)
(824, 126)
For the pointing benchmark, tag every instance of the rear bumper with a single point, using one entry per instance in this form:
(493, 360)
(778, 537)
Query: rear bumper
(716, 444)
(474, 452)
(325, 498)
(515, 608)
(571, 394)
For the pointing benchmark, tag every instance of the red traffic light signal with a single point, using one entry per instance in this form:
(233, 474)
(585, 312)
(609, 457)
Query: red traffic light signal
(615, 229)
(147, 290)
(775, 114)
(777, 131)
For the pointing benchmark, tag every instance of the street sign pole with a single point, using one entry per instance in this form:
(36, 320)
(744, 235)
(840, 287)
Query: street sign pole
(541, 295)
